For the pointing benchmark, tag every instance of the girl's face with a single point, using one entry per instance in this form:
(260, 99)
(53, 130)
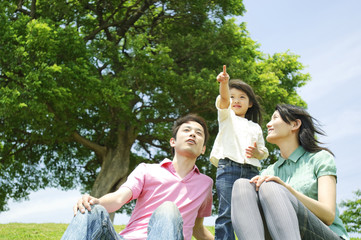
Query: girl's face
(278, 129)
(240, 102)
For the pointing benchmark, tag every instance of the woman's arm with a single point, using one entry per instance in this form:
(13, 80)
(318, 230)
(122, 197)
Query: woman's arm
(324, 208)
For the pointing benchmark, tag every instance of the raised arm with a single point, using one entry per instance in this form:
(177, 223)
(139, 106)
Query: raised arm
(223, 79)
(111, 201)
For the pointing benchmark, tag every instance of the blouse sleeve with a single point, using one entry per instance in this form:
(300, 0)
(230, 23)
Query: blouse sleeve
(325, 164)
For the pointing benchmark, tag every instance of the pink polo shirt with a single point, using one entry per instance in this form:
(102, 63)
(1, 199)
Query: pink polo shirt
(153, 184)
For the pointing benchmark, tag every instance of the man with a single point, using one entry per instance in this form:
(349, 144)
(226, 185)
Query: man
(173, 197)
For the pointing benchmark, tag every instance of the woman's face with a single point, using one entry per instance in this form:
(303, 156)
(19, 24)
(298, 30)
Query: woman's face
(278, 129)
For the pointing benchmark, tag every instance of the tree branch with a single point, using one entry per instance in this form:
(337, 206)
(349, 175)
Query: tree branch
(98, 149)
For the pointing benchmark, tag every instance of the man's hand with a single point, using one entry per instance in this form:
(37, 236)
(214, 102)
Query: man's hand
(223, 76)
(85, 202)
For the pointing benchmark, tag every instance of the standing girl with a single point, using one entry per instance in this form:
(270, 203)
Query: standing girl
(238, 147)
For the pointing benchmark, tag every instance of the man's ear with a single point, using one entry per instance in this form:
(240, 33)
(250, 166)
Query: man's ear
(172, 142)
(204, 149)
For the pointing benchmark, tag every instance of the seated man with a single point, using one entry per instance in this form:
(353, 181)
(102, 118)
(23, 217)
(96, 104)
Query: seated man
(173, 197)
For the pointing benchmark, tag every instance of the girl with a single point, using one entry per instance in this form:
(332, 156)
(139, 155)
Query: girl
(238, 147)
(295, 197)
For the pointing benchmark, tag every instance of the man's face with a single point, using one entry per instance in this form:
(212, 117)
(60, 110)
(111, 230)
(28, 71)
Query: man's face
(190, 140)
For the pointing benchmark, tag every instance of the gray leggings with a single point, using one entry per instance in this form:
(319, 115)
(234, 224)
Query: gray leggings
(273, 213)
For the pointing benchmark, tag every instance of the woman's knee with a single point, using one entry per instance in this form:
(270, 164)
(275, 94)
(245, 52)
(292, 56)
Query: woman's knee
(268, 190)
(242, 185)
(242, 182)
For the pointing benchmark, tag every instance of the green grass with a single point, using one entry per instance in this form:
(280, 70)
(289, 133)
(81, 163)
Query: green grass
(46, 231)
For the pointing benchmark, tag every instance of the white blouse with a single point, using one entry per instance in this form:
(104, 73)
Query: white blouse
(235, 135)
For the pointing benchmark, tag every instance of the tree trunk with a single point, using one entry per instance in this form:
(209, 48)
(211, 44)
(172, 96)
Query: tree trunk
(115, 166)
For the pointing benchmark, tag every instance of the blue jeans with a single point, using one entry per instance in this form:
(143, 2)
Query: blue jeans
(228, 172)
(165, 223)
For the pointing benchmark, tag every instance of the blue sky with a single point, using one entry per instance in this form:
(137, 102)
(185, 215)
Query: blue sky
(327, 37)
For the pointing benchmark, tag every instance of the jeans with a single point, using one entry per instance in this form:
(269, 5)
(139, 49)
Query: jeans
(228, 172)
(165, 223)
(275, 213)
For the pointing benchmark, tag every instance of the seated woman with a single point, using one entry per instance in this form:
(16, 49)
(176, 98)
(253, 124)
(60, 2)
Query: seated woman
(294, 198)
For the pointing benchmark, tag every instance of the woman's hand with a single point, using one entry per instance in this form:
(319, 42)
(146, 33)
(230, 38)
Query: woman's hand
(258, 180)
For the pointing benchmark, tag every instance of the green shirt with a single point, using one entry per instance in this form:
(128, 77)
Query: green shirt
(302, 170)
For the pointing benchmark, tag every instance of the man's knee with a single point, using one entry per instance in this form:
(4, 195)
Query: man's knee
(98, 208)
(168, 209)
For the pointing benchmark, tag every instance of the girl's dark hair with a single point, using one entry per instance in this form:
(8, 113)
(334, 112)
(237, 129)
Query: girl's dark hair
(308, 129)
(187, 118)
(253, 113)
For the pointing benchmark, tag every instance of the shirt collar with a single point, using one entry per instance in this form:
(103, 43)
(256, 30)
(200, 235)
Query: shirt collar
(166, 163)
(297, 154)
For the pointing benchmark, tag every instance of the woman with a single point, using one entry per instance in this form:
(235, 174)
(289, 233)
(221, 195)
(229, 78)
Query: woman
(295, 198)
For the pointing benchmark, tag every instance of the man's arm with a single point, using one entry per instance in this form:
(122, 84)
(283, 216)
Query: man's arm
(200, 232)
(111, 201)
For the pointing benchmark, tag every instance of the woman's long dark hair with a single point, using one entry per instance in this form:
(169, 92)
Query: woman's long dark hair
(308, 129)
(253, 113)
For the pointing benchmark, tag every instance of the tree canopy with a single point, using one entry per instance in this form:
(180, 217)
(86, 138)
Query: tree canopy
(88, 89)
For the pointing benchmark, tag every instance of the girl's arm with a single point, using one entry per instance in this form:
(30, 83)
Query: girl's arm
(223, 79)
(324, 208)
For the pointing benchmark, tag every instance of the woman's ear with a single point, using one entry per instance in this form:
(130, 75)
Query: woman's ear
(296, 124)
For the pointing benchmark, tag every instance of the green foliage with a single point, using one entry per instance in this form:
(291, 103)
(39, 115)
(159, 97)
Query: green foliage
(109, 69)
(351, 216)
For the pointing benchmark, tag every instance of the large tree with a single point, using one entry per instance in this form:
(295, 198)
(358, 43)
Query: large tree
(88, 89)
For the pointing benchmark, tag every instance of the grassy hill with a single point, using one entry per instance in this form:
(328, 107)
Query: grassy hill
(46, 231)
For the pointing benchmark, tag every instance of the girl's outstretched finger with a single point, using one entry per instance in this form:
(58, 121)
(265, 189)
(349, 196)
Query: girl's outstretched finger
(224, 69)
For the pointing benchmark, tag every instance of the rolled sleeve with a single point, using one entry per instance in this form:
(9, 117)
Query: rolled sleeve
(135, 181)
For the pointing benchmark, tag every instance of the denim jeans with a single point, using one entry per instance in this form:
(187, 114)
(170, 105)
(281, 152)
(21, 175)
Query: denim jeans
(228, 172)
(165, 223)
